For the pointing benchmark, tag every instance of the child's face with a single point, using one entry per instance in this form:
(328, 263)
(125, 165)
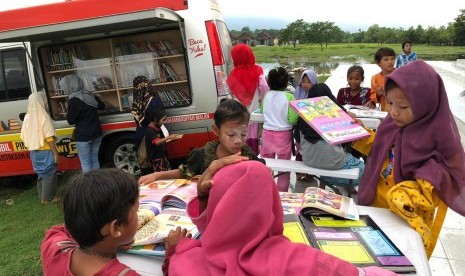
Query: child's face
(398, 106)
(161, 122)
(354, 79)
(407, 48)
(232, 136)
(306, 83)
(387, 64)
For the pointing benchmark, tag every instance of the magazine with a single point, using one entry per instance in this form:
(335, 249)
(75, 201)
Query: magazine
(360, 242)
(162, 208)
(316, 201)
(333, 124)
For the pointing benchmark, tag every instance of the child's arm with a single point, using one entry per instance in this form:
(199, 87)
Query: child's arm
(340, 94)
(262, 86)
(149, 178)
(51, 144)
(364, 145)
(170, 137)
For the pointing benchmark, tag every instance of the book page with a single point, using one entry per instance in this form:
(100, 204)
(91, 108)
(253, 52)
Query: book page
(317, 200)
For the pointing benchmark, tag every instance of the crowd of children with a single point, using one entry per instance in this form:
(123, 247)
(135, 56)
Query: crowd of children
(410, 170)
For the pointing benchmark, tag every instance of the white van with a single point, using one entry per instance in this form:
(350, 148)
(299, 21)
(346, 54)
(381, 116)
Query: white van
(181, 45)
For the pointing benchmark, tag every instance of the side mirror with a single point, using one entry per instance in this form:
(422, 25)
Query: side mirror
(21, 116)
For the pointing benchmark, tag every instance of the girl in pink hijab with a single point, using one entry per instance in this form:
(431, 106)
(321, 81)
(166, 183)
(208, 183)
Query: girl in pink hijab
(248, 85)
(412, 170)
(243, 234)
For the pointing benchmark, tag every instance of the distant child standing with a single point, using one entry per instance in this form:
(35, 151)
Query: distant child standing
(411, 169)
(385, 58)
(248, 85)
(155, 140)
(100, 214)
(354, 94)
(231, 120)
(38, 135)
(407, 56)
(278, 121)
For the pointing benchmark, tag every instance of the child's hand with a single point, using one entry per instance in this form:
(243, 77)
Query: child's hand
(147, 179)
(174, 136)
(205, 182)
(370, 104)
(379, 91)
(175, 235)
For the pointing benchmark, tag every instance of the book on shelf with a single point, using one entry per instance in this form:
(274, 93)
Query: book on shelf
(316, 201)
(168, 73)
(162, 207)
(333, 124)
(360, 242)
(361, 111)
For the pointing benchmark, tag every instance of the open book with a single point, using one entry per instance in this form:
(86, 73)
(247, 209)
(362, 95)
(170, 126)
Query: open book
(333, 124)
(364, 112)
(319, 201)
(360, 242)
(162, 208)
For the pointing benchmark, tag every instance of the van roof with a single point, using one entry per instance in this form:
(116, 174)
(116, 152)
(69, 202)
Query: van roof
(70, 11)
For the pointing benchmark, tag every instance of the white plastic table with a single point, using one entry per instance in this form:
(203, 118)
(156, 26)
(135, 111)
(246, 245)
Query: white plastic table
(404, 237)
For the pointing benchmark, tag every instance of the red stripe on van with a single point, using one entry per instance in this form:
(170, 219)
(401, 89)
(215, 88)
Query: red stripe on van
(76, 10)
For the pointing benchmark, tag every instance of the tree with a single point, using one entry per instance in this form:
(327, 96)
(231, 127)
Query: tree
(295, 31)
(459, 28)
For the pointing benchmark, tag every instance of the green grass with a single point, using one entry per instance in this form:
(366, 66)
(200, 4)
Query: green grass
(22, 226)
(349, 52)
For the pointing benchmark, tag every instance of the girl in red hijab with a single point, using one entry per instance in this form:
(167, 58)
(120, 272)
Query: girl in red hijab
(411, 168)
(244, 231)
(247, 84)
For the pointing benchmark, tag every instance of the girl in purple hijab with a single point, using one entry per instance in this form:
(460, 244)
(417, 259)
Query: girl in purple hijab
(412, 169)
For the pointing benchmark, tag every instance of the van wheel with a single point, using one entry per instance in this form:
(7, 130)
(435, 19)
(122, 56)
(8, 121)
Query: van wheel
(122, 154)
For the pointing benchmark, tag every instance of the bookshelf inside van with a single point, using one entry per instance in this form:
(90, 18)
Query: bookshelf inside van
(108, 67)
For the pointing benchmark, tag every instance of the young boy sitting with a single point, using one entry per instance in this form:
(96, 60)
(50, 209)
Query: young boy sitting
(100, 213)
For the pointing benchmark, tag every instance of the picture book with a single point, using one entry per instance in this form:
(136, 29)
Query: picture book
(162, 208)
(316, 201)
(333, 124)
(360, 242)
(361, 111)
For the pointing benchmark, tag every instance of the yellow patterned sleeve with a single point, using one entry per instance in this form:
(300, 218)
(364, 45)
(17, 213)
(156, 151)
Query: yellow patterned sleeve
(364, 145)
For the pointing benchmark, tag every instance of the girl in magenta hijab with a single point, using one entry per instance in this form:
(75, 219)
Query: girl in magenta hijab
(412, 169)
(247, 84)
(244, 233)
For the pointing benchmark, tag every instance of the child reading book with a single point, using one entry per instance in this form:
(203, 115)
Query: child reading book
(87, 243)
(412, 170)
(238, 242)
(231, 119)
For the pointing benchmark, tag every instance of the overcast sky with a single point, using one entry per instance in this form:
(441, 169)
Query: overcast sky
(349, 15)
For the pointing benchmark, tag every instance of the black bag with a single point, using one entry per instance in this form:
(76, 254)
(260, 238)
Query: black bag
(142, 157)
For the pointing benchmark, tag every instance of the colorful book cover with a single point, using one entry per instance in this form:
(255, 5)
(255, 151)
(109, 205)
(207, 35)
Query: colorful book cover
(330, 121)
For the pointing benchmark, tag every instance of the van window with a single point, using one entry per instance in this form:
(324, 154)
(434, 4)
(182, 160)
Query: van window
(14, 80)
(226, 44)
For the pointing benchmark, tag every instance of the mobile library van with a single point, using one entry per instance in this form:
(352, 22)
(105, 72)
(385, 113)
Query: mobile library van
(182, 46)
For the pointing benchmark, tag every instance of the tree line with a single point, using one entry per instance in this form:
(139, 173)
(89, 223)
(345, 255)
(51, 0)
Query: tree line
(327, 32)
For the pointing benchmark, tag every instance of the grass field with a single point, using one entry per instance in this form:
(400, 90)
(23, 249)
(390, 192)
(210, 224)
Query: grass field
(348, 52)
(23, 224)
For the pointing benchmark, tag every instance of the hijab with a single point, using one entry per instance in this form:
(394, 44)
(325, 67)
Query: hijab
(429, 148)
(300, 93)
(142, 96)
(244, 232)
(243, 80)
(74, 86)
(37, 125)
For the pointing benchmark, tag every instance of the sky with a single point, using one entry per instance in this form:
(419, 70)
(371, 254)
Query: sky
(348, 15)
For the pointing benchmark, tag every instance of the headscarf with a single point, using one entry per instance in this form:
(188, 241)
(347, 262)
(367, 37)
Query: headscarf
(300, 93)
(37, 123)
(243, 80)
(74, 86)
(142, 97)
(429, 148)
(244, 233)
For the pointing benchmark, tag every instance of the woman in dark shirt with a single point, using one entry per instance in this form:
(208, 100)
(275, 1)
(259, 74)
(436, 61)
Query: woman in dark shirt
(82, 112)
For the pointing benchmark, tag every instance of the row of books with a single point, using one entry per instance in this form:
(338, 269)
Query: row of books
(13, 124)
(64, 58)
(91, 83)
(174, 98)
(160, 48)
(156, 73)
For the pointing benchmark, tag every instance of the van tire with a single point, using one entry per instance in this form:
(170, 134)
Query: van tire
(121, 153)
